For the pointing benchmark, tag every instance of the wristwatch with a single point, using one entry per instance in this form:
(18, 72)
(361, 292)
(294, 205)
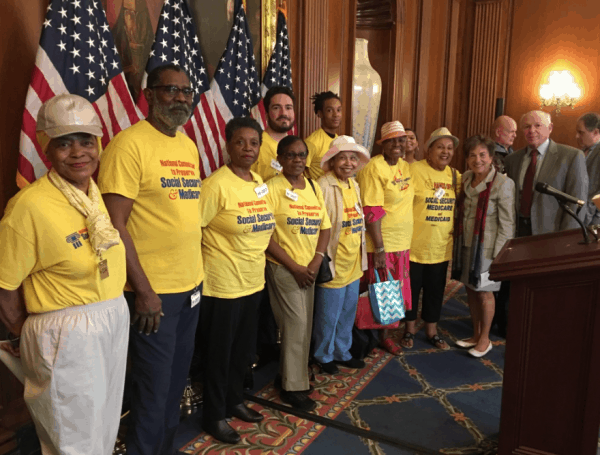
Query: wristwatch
(380, 250)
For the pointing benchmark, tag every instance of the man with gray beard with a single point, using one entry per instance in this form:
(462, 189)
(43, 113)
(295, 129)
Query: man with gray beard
(150, 181)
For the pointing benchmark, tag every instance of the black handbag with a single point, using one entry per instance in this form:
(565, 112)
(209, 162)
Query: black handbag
(324, 275)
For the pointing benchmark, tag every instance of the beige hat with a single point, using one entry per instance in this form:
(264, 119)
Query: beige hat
(66, 114)
(345, 144)
(441, 133)
(391, 130)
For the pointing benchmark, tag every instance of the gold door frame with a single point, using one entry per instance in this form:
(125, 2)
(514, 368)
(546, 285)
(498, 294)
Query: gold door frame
(269, 31)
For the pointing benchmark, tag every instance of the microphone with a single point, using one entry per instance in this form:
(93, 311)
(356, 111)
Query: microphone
(563, 197)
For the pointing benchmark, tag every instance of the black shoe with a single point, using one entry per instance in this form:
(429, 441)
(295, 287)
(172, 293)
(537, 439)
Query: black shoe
(278, 386)
(220, 430)
(243, 412)
(298, 400)
(352, 363)
(329, 368)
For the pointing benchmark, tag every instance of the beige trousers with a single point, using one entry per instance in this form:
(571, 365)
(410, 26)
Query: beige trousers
(74, 363)
(293, 310)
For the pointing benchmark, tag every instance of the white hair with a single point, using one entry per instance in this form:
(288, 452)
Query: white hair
(544, 116)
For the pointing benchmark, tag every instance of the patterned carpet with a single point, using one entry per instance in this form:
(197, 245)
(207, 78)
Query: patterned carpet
(423, 401)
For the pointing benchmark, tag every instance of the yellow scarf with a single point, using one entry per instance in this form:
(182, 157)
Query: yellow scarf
(101, 231)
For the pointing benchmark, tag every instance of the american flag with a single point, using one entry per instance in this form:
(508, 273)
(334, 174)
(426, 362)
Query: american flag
(235, 87)
(176, 42)
(76, 55)
(279, 71)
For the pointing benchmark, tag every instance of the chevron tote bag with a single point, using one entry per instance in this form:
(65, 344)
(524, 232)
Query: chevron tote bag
(386, 300)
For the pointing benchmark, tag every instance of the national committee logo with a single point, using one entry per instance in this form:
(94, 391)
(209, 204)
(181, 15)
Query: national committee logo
(76, 238)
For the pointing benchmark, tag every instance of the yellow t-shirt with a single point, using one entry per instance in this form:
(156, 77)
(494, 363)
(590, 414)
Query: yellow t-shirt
(44, 245)
(348, 258)
(160, 173)
(318, 144)
(298, 222)
(392, 188)
(237, 226)
(434, 216)
(267, 165)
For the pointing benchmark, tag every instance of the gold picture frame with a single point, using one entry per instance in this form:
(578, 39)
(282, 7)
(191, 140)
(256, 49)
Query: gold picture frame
(269, 30)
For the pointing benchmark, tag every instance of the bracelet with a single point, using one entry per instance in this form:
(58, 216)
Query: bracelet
(380, 250)
(322, 254)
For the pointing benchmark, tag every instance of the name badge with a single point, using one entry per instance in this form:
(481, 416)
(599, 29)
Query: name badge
(291, 195)
(261, 190)
(439, 193)
(357, 208)
(195, 298)
(276, 165)
(103, 268)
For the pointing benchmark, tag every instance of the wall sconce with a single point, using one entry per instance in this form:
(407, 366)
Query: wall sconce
(560, 91)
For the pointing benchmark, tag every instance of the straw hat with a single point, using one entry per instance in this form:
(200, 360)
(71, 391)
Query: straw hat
(345, 144)
(439, 134)
(390, 130)
(66, 114)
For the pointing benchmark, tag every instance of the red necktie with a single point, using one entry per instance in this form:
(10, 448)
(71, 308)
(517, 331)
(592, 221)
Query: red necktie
(527, 192)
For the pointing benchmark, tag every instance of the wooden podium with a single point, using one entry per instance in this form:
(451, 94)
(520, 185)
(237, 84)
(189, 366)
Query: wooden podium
(551, 387)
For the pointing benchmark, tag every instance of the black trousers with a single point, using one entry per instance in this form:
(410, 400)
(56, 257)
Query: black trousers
(432, 279)
(524, 226)
(159, 367)
(229, 339)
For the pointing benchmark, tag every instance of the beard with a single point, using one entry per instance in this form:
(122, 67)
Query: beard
(279, 128)
(172, 116)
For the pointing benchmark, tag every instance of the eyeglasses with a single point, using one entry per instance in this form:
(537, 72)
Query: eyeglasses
(293, 156)
(173, 90)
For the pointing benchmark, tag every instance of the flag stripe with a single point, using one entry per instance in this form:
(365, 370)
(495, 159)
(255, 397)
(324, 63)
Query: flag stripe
(129, 109)
(208, 118)
(193, 132)
(206, 149)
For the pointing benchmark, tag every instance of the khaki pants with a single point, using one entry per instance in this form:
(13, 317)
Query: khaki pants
(293, 310)
(74, 363)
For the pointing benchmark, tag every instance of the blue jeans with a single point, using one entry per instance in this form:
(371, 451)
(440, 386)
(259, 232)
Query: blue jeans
(335, 310)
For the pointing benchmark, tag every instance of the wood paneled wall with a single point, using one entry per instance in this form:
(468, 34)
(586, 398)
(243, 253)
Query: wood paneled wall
(19, 38)
(322, 35)
(555, 35)
(491, 21)
(428, 69)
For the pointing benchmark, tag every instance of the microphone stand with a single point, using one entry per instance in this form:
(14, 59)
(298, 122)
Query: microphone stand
(569, 210)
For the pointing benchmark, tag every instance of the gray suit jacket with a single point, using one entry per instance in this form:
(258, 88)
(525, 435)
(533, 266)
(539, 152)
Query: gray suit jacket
(593, 169)
(563, 168)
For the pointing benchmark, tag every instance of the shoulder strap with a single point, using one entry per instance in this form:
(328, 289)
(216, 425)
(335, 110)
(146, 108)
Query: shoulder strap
(454, 181)
(312, 185)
